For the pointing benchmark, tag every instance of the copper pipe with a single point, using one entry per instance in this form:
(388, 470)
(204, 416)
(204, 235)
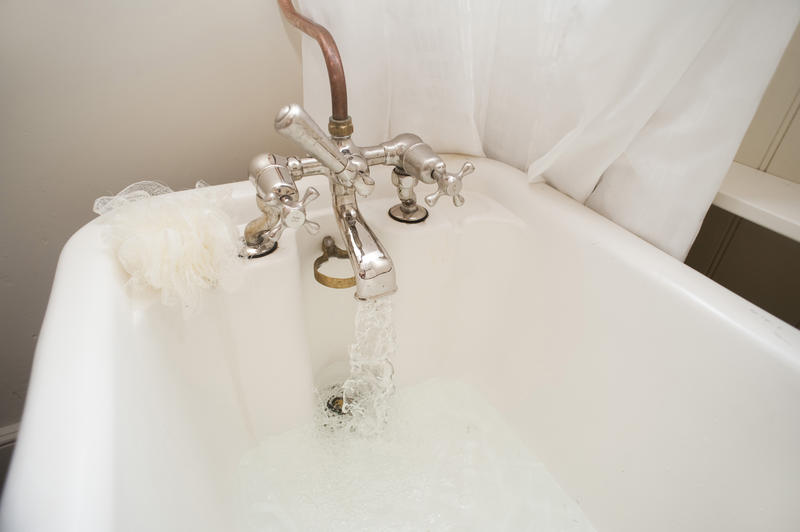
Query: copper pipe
(333, 61)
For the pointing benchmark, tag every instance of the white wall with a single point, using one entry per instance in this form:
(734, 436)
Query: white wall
(96, 94)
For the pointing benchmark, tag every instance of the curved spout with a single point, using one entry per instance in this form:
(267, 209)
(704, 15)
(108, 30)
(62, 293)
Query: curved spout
(372, 266)
(333, 60)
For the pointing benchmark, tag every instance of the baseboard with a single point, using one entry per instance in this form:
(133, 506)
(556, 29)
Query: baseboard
(8, 434)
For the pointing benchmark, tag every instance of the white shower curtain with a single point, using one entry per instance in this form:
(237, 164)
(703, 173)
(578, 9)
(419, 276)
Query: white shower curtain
(633, 107)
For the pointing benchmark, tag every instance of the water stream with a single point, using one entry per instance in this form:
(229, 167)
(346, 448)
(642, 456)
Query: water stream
(366, 393)
(435, 457)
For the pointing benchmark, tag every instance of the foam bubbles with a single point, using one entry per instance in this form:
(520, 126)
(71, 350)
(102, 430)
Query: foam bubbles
(445, 461)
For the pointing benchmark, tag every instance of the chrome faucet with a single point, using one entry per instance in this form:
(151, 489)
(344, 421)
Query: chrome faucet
(347, 168)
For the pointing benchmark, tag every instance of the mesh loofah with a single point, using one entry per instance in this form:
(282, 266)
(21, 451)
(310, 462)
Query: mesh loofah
(176, 245)
(133, 192)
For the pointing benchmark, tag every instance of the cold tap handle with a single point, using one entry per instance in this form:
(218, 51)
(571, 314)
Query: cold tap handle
(450, 185)
(293, 215)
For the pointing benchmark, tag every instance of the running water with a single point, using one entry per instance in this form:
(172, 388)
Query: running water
(366, 393)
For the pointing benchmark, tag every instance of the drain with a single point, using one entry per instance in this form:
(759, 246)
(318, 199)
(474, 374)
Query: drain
(336, 404)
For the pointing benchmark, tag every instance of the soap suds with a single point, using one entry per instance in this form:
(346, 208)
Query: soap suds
(446, 461)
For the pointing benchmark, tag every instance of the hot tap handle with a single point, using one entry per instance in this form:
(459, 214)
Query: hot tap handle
(293, 215)
(450, 185)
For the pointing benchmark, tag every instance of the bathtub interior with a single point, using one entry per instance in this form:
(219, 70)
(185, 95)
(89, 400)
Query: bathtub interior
(192, 395)
(648, 391)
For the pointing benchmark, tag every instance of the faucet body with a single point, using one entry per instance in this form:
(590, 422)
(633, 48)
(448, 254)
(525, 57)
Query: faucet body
(347, 167)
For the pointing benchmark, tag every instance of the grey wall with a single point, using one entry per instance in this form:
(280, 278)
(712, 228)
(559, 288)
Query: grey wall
(96, 94)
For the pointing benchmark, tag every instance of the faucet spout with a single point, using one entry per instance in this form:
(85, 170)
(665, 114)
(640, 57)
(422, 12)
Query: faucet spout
(373, 268)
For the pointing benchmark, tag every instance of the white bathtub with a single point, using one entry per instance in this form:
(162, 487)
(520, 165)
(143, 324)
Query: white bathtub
(659, 400)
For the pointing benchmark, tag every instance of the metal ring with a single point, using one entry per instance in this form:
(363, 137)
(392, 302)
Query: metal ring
(329, 249)
(340, 128)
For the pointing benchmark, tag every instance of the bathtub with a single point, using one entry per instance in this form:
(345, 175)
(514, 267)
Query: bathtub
(659, 400)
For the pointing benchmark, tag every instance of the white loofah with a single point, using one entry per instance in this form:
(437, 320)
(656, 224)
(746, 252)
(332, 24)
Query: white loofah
(178, 245)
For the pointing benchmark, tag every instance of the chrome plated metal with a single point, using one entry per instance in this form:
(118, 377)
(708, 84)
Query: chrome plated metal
(450, 185)
(350, 169)
(278, 199)
(372, 266)
(347, 167)
(407, 211)
(293, 215)
(256, 242)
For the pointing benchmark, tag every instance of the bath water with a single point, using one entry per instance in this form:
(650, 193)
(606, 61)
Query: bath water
(444, 461)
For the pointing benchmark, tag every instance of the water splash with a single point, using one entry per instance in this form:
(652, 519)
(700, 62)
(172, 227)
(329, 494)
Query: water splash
(366, 393)
(445, 461)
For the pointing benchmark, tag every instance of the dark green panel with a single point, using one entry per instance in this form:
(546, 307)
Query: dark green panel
(764, 268)
(710, 239)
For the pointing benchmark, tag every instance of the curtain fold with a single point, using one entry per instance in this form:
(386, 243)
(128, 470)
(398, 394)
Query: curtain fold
(634, 108)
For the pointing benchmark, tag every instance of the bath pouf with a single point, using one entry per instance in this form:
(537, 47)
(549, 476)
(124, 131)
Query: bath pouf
(177, 245)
